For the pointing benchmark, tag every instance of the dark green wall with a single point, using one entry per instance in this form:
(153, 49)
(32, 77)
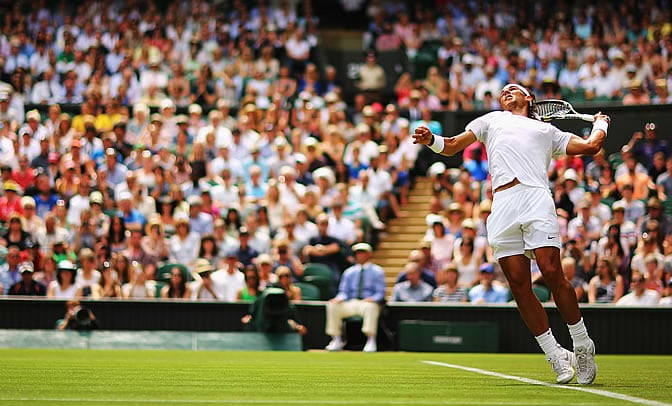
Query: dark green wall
(615, 330)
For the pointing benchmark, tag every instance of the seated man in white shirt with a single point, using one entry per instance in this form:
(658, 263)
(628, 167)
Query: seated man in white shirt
(639, 295)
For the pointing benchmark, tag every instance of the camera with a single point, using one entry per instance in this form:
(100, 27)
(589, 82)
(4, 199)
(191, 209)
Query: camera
(81, 319)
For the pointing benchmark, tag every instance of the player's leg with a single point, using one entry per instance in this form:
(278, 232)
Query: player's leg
(548, 259)
(549, 262)
(516, 268)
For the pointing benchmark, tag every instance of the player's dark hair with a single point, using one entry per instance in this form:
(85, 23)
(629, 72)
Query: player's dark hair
(532, 107)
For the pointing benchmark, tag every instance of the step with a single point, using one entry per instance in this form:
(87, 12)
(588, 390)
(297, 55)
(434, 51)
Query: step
(391, 263)
(403, 236)
(419, 199)
(413, 214)
(398, 227)
(397, 245)
(393, 256)
(413, 206)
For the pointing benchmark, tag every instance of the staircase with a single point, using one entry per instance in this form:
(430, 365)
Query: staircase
(403, 234)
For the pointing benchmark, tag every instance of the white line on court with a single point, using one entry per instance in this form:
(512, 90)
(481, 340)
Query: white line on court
(600, 392)
(271, 401)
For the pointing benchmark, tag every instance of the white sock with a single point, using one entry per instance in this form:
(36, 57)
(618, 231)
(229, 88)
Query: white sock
(579, 333)
(547, 342)
(371, 339)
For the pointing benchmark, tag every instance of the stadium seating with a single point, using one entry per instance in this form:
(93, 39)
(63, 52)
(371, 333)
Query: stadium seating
(321, 276)
(542, 293)
(308, 291)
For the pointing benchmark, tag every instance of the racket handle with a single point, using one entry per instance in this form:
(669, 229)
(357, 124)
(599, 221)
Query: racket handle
(587, 117)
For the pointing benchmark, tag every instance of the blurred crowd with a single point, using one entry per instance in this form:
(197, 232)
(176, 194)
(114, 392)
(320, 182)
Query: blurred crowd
(464, 52)
(209, 155)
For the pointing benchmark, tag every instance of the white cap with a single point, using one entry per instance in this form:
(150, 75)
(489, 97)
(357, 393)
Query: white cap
(167, 104)
(570, 174)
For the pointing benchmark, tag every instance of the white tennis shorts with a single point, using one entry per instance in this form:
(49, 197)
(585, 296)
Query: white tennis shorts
(523, 218)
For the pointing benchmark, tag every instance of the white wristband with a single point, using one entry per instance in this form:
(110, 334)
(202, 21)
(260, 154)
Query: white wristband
(437, 145)
(601, 125)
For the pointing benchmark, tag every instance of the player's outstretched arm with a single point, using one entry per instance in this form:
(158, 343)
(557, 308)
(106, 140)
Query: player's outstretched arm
(442, 145)
(592, 144)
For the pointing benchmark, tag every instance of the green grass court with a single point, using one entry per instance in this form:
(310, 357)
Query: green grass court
(105, 377)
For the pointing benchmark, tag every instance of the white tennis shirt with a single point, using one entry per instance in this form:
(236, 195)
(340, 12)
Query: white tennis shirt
(518, 147)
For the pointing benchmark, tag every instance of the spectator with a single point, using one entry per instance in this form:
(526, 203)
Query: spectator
(645, 146)
(245, 252)
(27, 286)
(229, 279)
(449, 290)
(177, 287)
(422, 259)
(323, 248)
(636, 95)
(639, 295)
(64, 287)
(664, 181)
(578, 283)
(655, 213)
(87, 275)
(15, 234)
(251, 290)
(468, 262)
(413, 289)
(285, 282)
(139, 286)
(360, 293)
(183, 246)
(9, 271)
(204, 288)
(108, 286)
(487, 291)
(634, 208)
(11, 201)
(607, 285)
(371, 78)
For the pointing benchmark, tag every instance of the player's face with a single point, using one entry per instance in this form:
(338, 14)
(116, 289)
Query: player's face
(512, 97)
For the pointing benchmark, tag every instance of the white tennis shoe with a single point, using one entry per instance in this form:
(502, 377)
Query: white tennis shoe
(370, 346)
(336, 344)
(586, 368)
(562, 363)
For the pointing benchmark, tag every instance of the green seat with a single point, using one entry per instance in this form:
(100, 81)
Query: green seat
(308, 291)
(615, 159)
(316, 269)
(542, 293)
(609, 201)
(158, 286)
(667, 206)
(321, 276)
(324, 285)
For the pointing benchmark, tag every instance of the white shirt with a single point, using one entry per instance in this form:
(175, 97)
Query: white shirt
(648, 298)
(518, 147)
(227, 285)
(81, 281)
(342, 229)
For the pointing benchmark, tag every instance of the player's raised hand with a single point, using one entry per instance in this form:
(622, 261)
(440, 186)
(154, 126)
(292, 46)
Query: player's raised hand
(422, 135)
(600, 116)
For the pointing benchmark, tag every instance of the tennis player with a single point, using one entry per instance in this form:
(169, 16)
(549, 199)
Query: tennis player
(523, 224)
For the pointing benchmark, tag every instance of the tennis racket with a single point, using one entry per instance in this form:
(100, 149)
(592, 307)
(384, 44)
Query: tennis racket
(552, 109)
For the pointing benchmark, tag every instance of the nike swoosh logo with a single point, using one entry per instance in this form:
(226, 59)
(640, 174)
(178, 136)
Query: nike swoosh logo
(550, 237)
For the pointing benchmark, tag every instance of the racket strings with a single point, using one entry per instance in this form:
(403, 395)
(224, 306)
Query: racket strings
(550, 108)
